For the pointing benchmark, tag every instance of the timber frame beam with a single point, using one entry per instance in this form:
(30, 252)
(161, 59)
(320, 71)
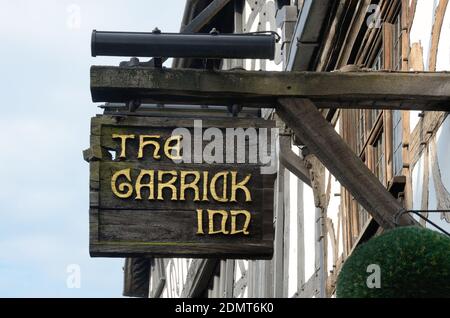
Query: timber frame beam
(292, 161)
(388, 90)
(302, 116)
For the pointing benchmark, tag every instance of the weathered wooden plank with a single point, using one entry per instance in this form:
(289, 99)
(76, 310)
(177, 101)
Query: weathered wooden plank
(145, 203)
(389, 90)
(148, 226)
(246, 152)
(170, 122)
(262, 250)
(422, 133)
(323, 141)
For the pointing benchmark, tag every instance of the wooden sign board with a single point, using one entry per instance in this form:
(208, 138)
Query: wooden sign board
(157, 192)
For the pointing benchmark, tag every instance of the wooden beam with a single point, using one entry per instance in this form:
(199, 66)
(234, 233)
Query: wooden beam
(422, 134)
(403, 90)
(204, 17)
(292, 161)
(302, 116)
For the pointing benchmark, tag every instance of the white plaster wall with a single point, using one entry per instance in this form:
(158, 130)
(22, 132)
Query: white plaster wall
(443, 155)
(293, 236)
(421, 28)
(309, 224)
(443, 56)
(176, 274)
(268, 8)
(421, 31)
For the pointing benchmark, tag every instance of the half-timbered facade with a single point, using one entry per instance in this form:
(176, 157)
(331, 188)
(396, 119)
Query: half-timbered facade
(317, 221)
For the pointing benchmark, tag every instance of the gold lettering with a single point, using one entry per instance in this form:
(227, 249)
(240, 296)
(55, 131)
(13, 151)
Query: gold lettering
(241, 185)
(143, 142)
(234, 214)
(123, 143)
(123, 186)
(149, 185)
(224, 215)
(212, 188)
(205, 186)
(167, 184)
(180, 183)
(176, 147)
(192, 185)
(200, 221)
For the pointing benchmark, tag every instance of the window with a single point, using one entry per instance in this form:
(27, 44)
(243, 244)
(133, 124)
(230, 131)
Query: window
(397, 45)
(361, 130)
(397, 127)
(397, 136)
(374, 113)
(373, 116)
(378, 64)
(378, 157)
(363, 215)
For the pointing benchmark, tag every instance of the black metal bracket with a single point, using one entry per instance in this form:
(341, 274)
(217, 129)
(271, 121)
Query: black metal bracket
(212, 64)
(155, 62)
(235, 109)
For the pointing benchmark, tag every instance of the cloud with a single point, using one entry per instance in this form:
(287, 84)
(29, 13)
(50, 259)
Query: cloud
(46, 111)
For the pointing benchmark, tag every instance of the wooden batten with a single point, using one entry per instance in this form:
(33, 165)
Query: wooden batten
(125, 222)
(387, 45)
(386, 90)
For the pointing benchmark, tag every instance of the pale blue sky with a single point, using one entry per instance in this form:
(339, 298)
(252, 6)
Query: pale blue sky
(44, 124)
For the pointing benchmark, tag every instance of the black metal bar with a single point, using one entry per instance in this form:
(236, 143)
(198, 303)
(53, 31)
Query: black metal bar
(198, 22)
(239, 46)
(417, 212)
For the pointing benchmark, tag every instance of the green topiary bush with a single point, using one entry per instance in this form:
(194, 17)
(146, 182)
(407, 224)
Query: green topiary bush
(413, 262)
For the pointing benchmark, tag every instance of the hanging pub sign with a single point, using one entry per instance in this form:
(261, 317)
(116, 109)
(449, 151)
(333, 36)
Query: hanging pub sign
(171, 187)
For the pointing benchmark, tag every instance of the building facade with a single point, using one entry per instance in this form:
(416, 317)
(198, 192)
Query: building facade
(317, 222)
